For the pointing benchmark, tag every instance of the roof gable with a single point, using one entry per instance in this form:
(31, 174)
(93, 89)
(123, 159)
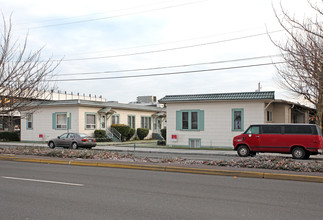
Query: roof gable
(219, 97)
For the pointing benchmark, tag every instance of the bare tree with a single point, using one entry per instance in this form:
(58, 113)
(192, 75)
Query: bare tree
(302, 52)
(23, 75)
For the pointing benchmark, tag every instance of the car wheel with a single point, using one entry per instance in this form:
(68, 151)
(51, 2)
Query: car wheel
(51, 145)
(243, 151)
(74, 145)
(298, 153)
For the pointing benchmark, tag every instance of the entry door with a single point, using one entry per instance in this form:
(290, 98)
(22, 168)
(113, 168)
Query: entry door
(157, 125)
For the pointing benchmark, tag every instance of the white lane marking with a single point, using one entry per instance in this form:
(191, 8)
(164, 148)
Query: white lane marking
(42, 181)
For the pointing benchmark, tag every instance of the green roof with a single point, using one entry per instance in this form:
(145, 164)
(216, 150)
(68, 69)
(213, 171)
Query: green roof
(219, 97)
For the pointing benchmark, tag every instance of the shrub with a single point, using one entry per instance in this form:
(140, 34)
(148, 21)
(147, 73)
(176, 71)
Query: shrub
(122, 129)
(131, 133)
(163, 133)
(142, 133)
(9, 136)
(100, 134)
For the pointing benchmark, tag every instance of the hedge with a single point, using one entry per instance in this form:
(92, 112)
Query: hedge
(9, 136)
(131, 133)
(100, 134)
(122, 129)
(142, 133)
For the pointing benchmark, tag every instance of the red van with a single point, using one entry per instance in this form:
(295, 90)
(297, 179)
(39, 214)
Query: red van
(300, 140)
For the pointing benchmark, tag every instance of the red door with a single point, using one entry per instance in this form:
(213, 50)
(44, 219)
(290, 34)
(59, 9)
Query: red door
(253, 141)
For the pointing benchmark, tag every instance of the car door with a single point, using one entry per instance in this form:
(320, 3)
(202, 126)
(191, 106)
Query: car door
(252, 138)
(61, 141)
(70, 139)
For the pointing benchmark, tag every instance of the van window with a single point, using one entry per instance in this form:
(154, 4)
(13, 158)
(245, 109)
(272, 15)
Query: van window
(271, 129)
(253, 130)
(298, 129)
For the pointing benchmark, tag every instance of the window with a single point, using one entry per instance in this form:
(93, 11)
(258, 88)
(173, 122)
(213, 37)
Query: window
(185, 120)
(63, 136)
(71, 135)
(271, 129)
(253, 130)
(90, 121)
(29, 121)
(115, 119)
(190, 120)
(146, 122)
(132, 121)
(61, 120)
(269, 116)
(298, 129)
(194, 143)
(103, 121)
(237, 119)
(194, 120)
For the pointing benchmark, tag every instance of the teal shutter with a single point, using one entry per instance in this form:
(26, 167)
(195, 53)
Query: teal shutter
(201, 120)
(54, 121)
(69, 120)
(242, 119)
(178, 120)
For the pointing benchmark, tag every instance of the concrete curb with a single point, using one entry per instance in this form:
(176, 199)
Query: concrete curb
(277, 176)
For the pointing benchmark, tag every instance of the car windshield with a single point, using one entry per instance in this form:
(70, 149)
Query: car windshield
(83, 135)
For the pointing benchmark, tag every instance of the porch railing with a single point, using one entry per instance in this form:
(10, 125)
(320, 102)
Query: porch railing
(116, 133)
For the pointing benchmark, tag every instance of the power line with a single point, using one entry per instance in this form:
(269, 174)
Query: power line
(100, 13)
(115, 16)
(169, 42)
(165, 74)
(171, 49)
(174, 66)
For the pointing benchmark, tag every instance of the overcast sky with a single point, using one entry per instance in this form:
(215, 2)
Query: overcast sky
(188, 39)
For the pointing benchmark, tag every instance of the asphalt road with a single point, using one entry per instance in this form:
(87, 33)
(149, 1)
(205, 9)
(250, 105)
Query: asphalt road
(46, 191)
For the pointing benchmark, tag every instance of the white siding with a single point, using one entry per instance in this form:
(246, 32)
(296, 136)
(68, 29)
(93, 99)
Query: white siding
(42, 121)
(42, 124)
(217, 122)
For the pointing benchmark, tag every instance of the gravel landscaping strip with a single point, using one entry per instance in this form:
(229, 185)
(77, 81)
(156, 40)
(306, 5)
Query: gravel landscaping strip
(260, 162)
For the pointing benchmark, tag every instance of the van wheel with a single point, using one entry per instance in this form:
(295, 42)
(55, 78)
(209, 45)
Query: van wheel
(299, 153)
(243, 151)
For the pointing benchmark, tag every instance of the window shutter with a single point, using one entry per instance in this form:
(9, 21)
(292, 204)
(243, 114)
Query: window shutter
(201, 120)
(54, 121)
(69, 120)
(178, 120)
